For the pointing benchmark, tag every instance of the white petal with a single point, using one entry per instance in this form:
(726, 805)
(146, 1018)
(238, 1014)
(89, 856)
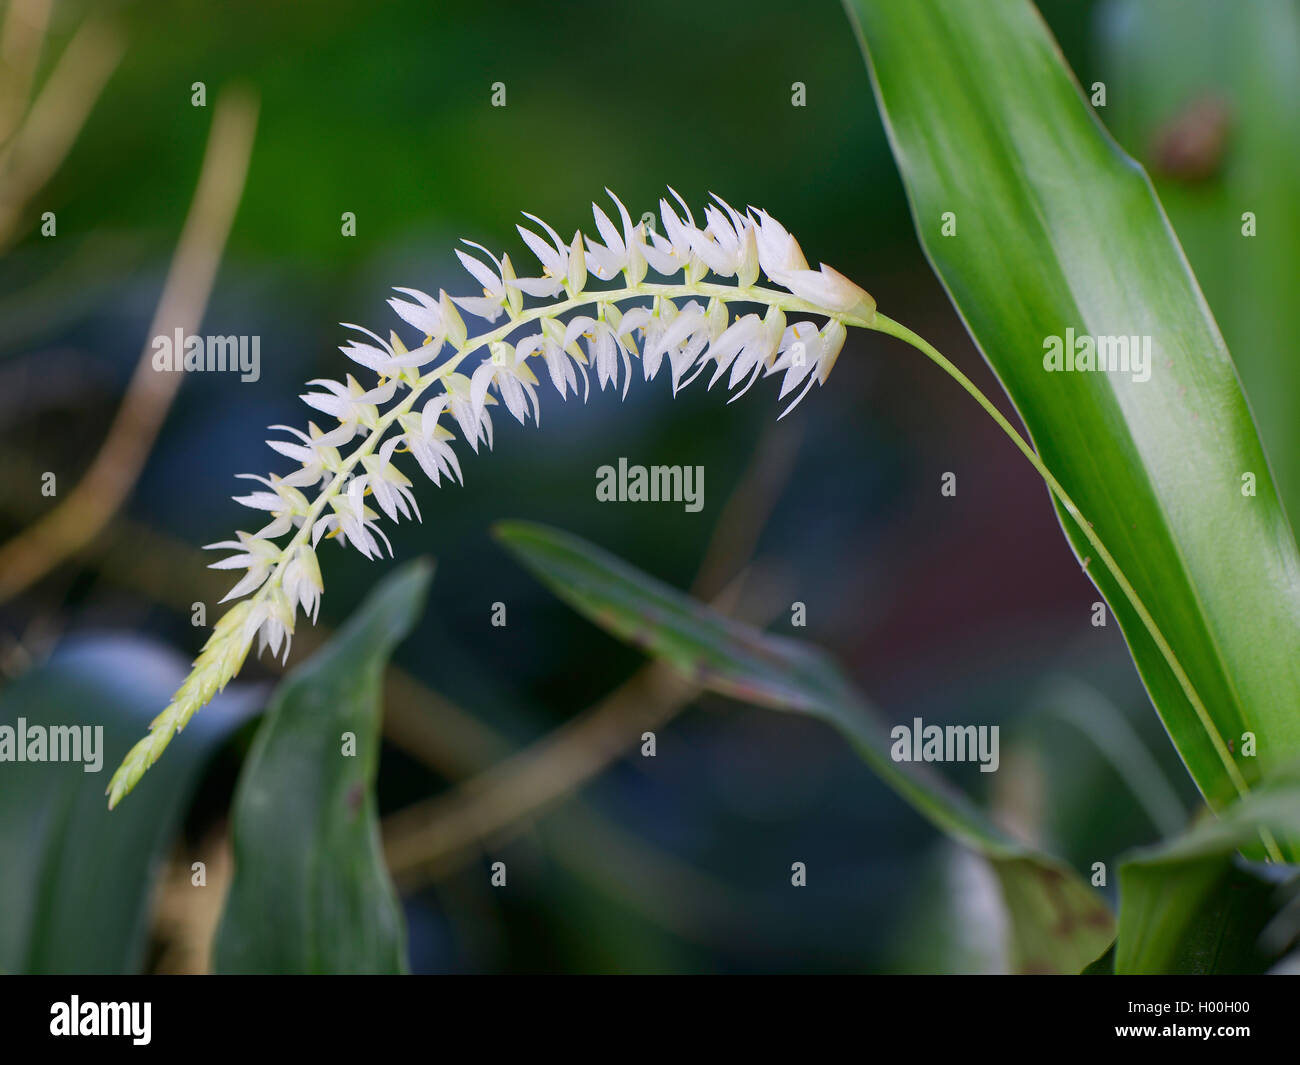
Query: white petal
(484, 276)
(608, 233)
(481, 306)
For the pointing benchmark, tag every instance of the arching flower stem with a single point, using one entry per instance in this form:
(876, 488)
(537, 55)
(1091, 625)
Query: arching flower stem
(884, 324)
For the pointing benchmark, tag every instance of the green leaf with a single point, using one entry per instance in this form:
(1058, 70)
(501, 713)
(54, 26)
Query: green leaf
(1193, 90)
(1058, 229)
(311, 893)
(1058, 923)
(75, 889)
(1192, 905)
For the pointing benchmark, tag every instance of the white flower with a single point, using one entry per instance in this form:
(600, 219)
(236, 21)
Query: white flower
(828, 288)
(427, 441)
(352, 521)
(748, 347)
(355, 408)
(256, 555)
(685, 338)
(604, 345)
(500, 290)
(560, 362)
(272, 620)
(743, 331)
(623, 252)
(302, 582)
(675, 249)
(286, 504)
(390, 486)
(833, 335)
(388, 358)
(783, 261)
(561, 266)
(717, 320)
(798, 353)
(475, 425)
(807, 353)
(681, 334)
(778, 252)
(513, 378)
(728, 245)
(317, 459)
(651, 324)
(437, 319)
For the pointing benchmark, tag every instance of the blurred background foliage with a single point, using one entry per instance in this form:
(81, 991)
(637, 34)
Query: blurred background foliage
(952, 609)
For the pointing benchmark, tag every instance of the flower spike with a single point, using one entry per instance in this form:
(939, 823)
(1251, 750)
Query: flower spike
(686, 324)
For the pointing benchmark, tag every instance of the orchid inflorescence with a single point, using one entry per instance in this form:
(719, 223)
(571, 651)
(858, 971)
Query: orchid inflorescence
(689, 326)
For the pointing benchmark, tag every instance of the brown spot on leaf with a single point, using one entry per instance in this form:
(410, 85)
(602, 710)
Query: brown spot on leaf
(1191, 145)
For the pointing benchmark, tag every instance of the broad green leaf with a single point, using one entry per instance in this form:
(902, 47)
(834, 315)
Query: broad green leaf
(1193, 91)
(75, 878)
(1058, 923)
(311, 893)
(1192, 905)
(1057, 229)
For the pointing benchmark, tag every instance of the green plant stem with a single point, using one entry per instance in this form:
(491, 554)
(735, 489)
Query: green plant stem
(884, 324)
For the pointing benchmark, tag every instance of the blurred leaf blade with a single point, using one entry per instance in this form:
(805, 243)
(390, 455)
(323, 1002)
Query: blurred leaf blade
(311, 893)
(1192, 905)
(1058, 923)
(74, 897)
(987, 122)
(1193, 92)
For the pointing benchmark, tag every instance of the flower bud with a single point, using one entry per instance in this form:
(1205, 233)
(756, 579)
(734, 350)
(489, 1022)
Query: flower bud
(748, 272)
(452, 320)
(577, 279)
(514, 297)
(833, 334)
